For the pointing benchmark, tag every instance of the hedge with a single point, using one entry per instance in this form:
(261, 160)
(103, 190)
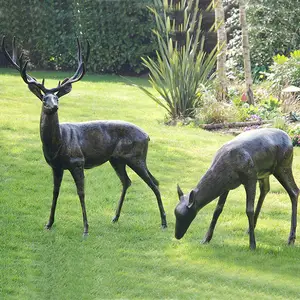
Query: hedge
(119, 32)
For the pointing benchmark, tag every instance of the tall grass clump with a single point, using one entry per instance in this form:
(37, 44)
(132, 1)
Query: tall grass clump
(179, 70)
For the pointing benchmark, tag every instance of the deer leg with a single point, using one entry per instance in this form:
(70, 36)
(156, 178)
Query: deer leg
(286, 179)
(217, 212)
(141, 170)
(250, 188)
(264, 186)
(57, 178)
(120, 169)
(78, 175)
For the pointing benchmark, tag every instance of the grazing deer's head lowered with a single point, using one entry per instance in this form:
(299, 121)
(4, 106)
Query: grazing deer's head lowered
(250, 157)
(184, 212)
(79, 146)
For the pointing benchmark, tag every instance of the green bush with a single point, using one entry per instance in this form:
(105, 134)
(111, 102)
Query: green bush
(294, 133)
(285, 71)
(217, 112)
(269, 108)
(119, 32)
(273, 27)
(280, 123)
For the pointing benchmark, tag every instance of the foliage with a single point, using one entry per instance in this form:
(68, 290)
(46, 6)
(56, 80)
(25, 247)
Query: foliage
(258, 73)
(234, 64)
(267, 109)
(119, 32)
(280, 123)
(213, 111)
(179, 71)
(285, 71)
(46, 28)
(217, 112)
(274, 28)
(294, 133)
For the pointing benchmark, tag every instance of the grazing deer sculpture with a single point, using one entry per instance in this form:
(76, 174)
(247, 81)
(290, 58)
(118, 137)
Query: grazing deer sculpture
(250, 157)
(79, 146)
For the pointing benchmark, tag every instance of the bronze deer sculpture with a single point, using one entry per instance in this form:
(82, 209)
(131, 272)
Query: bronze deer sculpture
(79, 146)
(250, 157)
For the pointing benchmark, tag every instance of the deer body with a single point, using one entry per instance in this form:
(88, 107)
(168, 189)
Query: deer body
(79, 146)
(252, 156)
(90, 143)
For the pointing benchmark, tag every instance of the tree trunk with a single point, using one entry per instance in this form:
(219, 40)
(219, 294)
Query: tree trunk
(222, 90)
(246, 52)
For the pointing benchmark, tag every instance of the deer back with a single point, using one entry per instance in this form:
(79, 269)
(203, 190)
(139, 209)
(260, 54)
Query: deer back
(95, 142)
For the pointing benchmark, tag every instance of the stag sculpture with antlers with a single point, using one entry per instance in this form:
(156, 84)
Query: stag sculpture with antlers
(79, 146)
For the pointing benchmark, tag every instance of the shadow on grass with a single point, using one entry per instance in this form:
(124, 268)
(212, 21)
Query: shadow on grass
(154, 265)
(238, 267)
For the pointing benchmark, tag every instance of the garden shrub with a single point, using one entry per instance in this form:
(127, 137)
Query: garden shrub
(285, 71)
(294, 133)
(217, 112)
(267, 109)
(119, 32)
(280, 123)
(273, 29)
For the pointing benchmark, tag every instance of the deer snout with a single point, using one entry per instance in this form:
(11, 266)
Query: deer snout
(178, 235)
(50, 103)
(180, 230)
(184, 217)
(50, 109)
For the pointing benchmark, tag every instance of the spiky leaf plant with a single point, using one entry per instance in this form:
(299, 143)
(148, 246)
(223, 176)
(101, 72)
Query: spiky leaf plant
(179, 71)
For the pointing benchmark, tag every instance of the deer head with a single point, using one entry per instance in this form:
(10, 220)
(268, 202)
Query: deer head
(49, 97)
(185, 212)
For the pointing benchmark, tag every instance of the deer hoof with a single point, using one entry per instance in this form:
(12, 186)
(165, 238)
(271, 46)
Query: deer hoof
(253, 246)
(164, 226)
(48, 227)
(85, 234)
(205, 241)
(115, 219)
(291, 241)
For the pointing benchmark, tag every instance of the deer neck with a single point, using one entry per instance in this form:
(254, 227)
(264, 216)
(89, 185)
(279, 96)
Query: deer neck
(209, 188)
(50, 134)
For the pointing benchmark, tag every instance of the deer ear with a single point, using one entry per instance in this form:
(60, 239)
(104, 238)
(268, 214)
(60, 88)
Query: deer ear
(35, 90)
(179, 191)
(65, 89)
(191, 199)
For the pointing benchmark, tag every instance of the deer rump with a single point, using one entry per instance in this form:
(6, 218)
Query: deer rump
(254, 154)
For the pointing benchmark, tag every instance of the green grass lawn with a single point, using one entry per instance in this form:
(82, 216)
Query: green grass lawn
(133, 259)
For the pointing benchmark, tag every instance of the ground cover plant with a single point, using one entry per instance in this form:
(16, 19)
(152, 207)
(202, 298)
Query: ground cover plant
(133, 259)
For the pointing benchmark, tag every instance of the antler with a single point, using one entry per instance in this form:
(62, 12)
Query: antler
(61, 88)
(22, 66)
(79, 72)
